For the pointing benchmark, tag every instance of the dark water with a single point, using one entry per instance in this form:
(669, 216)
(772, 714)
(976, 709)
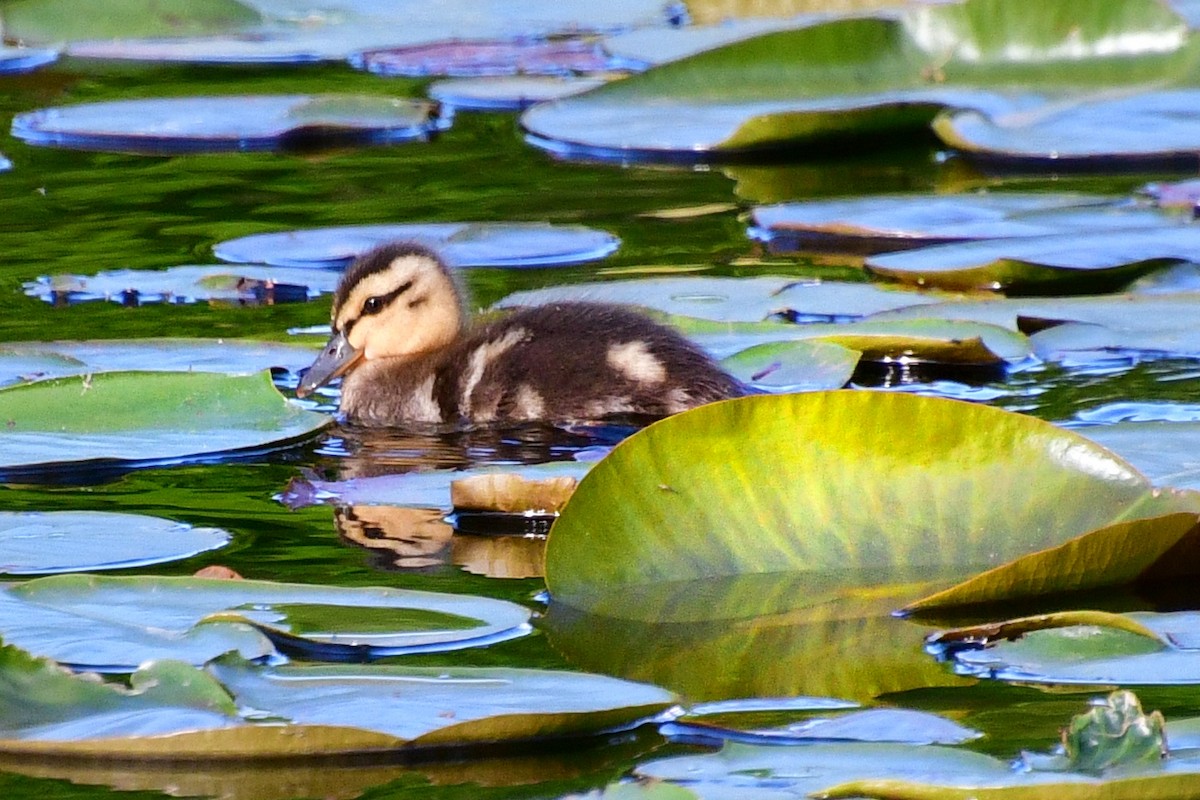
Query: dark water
(75, 212)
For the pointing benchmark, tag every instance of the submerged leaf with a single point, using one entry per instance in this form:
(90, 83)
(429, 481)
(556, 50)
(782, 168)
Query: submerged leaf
(113, 622)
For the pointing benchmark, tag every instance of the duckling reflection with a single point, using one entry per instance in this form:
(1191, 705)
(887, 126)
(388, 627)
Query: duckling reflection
(406, 353)
(421, 539)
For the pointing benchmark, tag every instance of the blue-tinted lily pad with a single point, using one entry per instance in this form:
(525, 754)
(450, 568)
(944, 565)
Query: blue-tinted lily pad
(244, 285)
(33, 543)
(247, 122)
(478, 58)
(796, 366)
(113, 623)
(133, 419)
(865, 77)
(1082, 261)
(869, 725)
(507, 93)
(1166, 652)
(463, 244)
(1168, 453)
(28, 361)
(5, 164)
(24, 59)
(287, 34)
(904, 222)
(1160, 126)
(733, 299)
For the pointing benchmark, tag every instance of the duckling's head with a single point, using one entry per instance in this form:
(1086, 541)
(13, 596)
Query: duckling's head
(397, 301)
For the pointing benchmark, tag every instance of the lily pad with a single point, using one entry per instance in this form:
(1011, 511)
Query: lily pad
(210, 124)
(477, 58)
(177, 712)
(639, 523)
(56, 20)
(24, 59)
(1149, 127)
(1101, 651)
(463, 244)
(288, 35)
(63, 541)
(901, 341)
(116, 623)
(904, 222)
(28, 361)
(793, 366)
(507, 93)
(866, 76)
(244, 285)
(733, 299)
(869, 725)
(141, 418)
(1085, 261)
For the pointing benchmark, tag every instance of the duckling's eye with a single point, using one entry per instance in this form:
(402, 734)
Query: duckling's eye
(373, 305)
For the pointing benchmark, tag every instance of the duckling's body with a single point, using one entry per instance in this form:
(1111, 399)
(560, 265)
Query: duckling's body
(401, 341)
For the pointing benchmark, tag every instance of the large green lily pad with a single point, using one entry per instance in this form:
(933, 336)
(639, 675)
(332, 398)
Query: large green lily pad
(56, 21)
(135, 418)
(868, 76)
(710, 494)
(177, 712)
(1168, 453)
(64, 541)
(117, 623)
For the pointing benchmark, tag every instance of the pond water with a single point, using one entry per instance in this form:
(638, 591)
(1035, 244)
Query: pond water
(76, 212)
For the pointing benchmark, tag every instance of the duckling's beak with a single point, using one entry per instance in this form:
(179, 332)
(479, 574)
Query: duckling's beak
(335, 360)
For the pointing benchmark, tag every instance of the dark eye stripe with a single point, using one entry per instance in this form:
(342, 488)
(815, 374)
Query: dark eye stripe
(383, 301)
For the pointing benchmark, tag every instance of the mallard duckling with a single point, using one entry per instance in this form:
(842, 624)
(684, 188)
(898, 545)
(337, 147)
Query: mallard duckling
(405, 352)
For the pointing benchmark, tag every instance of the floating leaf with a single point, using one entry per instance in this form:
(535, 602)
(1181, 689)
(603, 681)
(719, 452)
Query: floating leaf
(793, 366)
(177, 712)
(640, 523)
(116, 623)
(244, 122)
(23, 59)
(904, 222)
(56, 20)
(64, 541)
(245, 285)
(563, 56)
(1149, 127)
(1098, 650)
(869, 725)
(733, 299)
(140, 418)
(463, 244)
(866, 76)
(507, 93)
(909, 341)
(1088, 260)
(27, 361)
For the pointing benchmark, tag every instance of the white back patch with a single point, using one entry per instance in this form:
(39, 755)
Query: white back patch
(635, 361)
(480, 358)
(529, 404)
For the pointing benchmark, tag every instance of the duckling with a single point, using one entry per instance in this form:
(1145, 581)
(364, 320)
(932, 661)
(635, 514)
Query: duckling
(406, 353)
